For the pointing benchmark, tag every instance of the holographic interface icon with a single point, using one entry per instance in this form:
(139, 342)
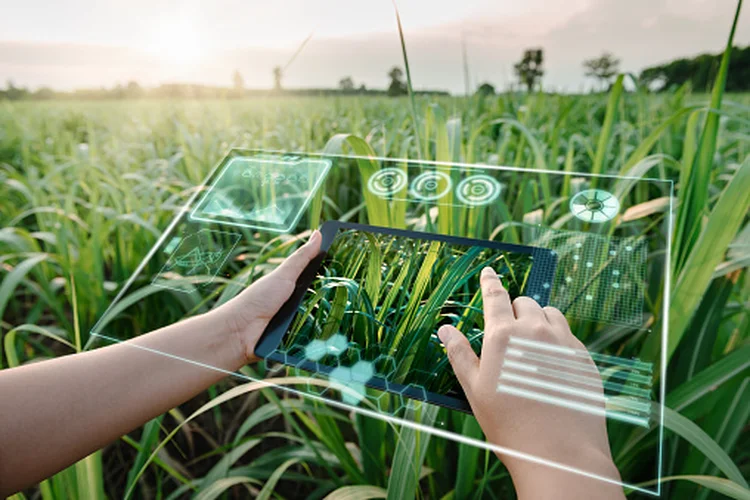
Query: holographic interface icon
(430, 186)
(387, 182)
(478, 190)
(262, 193)
(594, 205)
(199, 254)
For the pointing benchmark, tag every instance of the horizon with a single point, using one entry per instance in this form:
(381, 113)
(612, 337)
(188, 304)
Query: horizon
(167, 42)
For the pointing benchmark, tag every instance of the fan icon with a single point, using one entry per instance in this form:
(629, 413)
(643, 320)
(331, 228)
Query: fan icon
(594, 205)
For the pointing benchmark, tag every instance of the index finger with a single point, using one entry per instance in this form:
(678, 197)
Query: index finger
(497, 305)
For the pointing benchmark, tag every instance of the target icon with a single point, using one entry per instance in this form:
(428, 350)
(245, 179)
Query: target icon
(594, 205)
(387, 182)
(430, 186)
(478, 190)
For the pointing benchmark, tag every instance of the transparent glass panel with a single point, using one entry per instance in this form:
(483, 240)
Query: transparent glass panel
(405, 244)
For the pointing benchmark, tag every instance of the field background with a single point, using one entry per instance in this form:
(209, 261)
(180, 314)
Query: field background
(85, 188)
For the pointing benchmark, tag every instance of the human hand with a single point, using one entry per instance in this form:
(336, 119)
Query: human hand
(246, 316)
(552, 432)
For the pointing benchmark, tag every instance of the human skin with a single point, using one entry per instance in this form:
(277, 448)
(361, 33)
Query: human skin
(56, 412)
(562, 435)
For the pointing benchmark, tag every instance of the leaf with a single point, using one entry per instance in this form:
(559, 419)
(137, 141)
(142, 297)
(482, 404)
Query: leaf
(409, 454)
(646, 209)
(268, 488)
(709, 249)
(468, 459)
(14, 277)
(694, 189)
(408, 82)
(606, 131)
(356, 493)
(720, 485)
(90, 476)
(379, 211)
(698, 438)
(221, 485)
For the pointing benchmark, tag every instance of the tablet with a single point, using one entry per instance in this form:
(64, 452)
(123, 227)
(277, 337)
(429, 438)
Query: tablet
(366, 311)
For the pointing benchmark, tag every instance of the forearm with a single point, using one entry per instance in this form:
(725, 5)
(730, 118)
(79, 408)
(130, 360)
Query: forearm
(56, 412)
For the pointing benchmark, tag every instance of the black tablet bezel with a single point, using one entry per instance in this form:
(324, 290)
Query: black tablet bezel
(542, 272)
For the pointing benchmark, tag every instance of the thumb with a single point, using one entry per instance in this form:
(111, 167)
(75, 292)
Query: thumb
(293, 266)
(460, 354)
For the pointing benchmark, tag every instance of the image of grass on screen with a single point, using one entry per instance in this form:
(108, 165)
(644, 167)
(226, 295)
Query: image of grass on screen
(387, 295)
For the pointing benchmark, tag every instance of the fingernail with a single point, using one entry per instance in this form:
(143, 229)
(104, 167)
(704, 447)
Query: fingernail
(488, 271)
(313, 237)
(444, 333)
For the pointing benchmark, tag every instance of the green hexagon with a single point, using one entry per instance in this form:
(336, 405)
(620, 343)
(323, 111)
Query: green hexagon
(353, 393)
(342, 374)
(337, 344)
(316, 350)
(418, 388)
(385, 365)
(362, 371)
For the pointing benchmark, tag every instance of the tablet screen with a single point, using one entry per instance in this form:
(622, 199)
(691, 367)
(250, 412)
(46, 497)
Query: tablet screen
(379, 298)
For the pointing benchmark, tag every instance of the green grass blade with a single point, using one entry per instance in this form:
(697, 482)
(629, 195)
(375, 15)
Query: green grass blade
(708, 251)
(605, 134)
(694, 195)
(697, 437)
(357, 493)
(717, 484)
(409, 84)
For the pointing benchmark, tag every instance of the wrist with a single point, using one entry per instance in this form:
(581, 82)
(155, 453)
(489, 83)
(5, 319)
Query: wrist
(224, 339)
(588, 460)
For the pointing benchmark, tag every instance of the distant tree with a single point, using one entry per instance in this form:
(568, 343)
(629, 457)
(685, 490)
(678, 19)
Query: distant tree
(43, 93)
(486, 89)
(238, 83)
(603, 68)
(346, 84)
(701, 72)
(133, 90)
(15, 93)
(397, 86)
(530, 68)
(277, 74)
(362, 89)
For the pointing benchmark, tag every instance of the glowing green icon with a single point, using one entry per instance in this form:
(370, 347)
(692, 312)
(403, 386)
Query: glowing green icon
(594, 205)
(269, 193)
(199, 254)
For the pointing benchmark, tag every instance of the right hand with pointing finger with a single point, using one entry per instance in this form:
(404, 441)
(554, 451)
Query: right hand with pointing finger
(551, 432)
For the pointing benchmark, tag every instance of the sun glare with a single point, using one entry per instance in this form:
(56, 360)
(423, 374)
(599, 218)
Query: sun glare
(176, 42)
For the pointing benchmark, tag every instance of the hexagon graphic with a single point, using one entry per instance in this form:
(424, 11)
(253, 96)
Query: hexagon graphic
(316, 350)
(362, 371)
(386, 365)
(337, 344)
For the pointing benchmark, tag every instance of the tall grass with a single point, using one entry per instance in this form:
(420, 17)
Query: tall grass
(86, 187)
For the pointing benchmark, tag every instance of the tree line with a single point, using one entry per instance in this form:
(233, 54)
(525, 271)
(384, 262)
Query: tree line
(699, 71)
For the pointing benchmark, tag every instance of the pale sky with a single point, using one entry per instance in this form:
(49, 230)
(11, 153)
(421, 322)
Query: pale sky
(87, 43)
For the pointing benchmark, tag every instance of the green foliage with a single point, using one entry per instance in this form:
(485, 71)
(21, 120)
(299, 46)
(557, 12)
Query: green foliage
(530, 68)
(85, 188)
(700, 72)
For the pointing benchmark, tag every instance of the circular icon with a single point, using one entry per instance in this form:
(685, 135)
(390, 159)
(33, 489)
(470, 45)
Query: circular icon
(387, 182)
(594, 205)
(430, 186)
(478, 190)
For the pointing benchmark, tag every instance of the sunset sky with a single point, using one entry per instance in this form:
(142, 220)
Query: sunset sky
(86, 43)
